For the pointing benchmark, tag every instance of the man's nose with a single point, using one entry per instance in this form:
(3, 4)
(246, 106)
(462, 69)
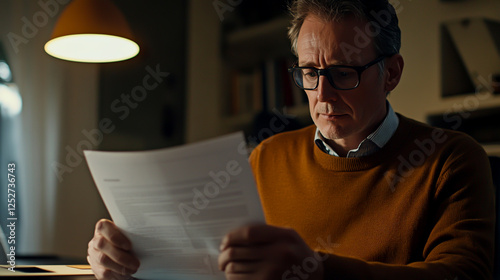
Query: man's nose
(326, 92)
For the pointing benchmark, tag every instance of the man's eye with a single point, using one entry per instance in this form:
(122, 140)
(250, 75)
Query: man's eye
(340, 74)
(310, 73)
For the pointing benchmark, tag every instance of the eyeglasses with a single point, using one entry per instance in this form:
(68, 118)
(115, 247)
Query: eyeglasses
(340, 76)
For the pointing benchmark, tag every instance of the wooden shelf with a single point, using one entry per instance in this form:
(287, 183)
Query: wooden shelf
(465, 102)
(257, 43)
(492, 149)
(269, 29)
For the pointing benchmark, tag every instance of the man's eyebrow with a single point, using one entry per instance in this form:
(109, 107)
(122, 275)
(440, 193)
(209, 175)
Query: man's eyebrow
(306, 64)
(311, 64)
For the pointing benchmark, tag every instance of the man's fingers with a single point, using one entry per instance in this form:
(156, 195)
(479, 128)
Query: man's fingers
(108, 255)
(103, 273)
(103, 259)
(113, 234)
(242, 268)
(240, 254)
(257, 234)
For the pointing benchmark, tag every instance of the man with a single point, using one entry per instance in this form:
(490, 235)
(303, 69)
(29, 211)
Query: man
(364, 193)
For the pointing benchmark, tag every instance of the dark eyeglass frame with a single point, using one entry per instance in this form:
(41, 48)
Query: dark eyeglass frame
(326, 71)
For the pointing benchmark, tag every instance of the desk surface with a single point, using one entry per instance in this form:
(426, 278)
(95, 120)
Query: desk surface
(76, 277)
(48, 260)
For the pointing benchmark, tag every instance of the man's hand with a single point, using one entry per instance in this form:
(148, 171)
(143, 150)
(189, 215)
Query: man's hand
(266, 252)
(109, 253)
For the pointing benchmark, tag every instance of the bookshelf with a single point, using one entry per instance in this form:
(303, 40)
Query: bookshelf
(257, 42)
(256, 61)
(469, 101)
(225, 56)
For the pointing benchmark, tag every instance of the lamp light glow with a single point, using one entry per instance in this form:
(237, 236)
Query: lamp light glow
(93, 31)
(93, 48)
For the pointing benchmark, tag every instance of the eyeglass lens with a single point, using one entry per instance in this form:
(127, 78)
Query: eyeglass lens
(342, 78)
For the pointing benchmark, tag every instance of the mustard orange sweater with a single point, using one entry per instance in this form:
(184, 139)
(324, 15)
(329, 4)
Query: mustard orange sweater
(420, 208)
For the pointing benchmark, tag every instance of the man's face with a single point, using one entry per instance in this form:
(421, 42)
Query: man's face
(342, 115)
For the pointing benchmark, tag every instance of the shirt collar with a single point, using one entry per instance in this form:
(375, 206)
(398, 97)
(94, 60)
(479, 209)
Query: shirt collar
(374, 142)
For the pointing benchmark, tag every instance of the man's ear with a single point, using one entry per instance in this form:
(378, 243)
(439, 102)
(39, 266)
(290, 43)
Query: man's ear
(393, 69)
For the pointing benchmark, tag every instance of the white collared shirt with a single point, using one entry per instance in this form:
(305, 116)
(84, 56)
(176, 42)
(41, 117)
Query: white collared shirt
(374, 142)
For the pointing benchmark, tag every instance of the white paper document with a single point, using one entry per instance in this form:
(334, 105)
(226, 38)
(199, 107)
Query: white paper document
(176, 204)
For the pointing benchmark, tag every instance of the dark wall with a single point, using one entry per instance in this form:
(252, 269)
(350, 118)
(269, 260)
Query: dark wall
(148, 115)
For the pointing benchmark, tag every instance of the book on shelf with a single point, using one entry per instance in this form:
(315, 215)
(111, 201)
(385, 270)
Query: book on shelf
(264, 87)
(243, 91)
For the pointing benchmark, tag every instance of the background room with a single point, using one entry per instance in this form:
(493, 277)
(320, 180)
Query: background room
(212, 67)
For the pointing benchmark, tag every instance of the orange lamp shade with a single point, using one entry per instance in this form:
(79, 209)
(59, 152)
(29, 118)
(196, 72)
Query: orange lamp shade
(93, 31)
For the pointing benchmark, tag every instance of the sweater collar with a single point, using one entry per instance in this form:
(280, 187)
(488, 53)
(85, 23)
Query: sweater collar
(362, 163)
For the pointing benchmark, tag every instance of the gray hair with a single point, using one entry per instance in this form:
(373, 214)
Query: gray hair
(379, 14)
